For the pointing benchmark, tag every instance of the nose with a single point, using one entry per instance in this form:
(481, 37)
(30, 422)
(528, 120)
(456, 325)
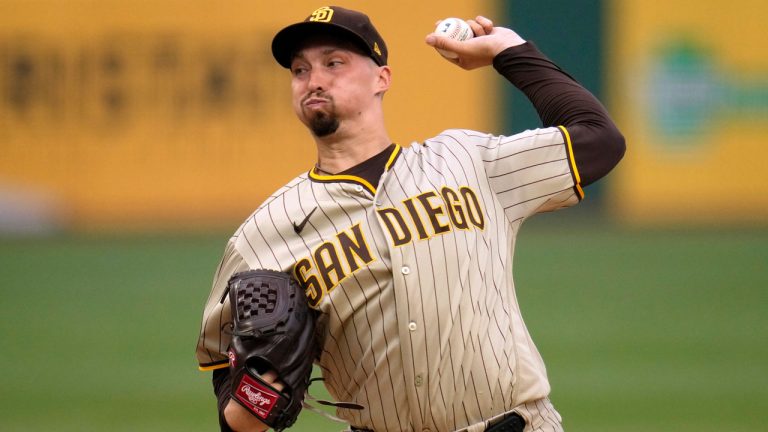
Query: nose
(318, 81)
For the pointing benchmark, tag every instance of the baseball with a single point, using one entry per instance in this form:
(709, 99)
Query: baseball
(454, 28)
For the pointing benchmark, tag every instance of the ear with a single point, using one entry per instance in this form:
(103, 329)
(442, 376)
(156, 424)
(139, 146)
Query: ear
(383, 79)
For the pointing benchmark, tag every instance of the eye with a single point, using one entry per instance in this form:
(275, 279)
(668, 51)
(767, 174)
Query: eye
(334, 63)
(298, 70)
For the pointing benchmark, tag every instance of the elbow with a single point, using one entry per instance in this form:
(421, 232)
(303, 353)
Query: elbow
(606, 151)
(616, 147)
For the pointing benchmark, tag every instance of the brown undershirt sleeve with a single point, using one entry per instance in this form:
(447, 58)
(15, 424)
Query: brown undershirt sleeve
(560, 100)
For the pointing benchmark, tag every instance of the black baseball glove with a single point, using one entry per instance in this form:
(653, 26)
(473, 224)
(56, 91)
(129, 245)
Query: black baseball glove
(273, 329)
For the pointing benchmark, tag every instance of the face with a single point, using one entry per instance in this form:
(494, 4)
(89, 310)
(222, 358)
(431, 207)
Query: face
(332, 83)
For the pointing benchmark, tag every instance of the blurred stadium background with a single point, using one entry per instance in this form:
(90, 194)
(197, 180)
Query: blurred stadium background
(135, 136)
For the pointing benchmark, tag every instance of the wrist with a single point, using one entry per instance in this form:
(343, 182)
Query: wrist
(510, 44)
(241, 420)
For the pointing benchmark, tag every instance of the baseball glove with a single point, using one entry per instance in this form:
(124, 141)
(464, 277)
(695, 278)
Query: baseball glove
(273, 329)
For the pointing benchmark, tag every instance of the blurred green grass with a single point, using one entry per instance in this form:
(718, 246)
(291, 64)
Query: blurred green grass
(641, 329)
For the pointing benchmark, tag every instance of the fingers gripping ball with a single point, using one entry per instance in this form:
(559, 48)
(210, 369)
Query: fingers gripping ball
(273, 330)
(454, 28)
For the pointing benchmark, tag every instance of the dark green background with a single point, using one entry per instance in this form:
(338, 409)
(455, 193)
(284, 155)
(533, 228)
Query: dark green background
(641, 330)
(571, 33)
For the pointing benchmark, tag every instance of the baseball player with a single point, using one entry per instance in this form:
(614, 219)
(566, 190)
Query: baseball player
(407, 252)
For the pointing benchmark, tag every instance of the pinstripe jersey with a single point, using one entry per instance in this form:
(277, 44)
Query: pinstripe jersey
(420, 323)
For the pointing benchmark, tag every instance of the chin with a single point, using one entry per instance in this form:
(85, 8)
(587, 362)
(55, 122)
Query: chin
(322, 124)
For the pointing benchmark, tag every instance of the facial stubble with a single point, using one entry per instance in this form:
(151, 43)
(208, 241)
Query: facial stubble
(323, 123)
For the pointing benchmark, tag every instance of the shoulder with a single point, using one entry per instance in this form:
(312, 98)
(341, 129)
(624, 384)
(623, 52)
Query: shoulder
(450, 140)
(460, 137)
(482, 141)
(273, 218)
(460, 143)
(467, 144)
(286, 192)
(285, 195)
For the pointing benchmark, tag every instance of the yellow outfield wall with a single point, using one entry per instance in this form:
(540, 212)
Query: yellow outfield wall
(135, 114)
(689, 88)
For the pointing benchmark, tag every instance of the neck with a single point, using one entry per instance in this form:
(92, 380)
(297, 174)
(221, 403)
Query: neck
(344, 149)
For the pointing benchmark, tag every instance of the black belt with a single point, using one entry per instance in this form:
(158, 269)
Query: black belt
(510, 423)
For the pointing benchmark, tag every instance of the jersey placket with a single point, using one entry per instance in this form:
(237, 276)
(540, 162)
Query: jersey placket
(408, 307)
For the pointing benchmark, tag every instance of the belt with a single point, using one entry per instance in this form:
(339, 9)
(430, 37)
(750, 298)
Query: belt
(511, 423)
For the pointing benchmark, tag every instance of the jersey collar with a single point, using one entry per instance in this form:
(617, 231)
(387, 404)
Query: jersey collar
(348, 178)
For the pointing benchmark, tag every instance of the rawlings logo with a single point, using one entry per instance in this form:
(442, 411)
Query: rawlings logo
(255, 397)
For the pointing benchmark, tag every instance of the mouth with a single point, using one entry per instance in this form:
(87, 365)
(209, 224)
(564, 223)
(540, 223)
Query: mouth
(315, 102)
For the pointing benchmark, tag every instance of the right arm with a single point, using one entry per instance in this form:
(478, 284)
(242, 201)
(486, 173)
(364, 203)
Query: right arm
(557, 97)
(560, 100)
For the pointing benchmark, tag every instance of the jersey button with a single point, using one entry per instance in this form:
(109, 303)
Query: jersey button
(405, 270)
(412, 326)
(359, 188)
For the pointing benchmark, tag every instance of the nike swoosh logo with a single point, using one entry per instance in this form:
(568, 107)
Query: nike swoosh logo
(299, 227)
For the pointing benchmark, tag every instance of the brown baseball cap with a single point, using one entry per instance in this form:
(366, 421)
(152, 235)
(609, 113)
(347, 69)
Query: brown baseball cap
(345, 23)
